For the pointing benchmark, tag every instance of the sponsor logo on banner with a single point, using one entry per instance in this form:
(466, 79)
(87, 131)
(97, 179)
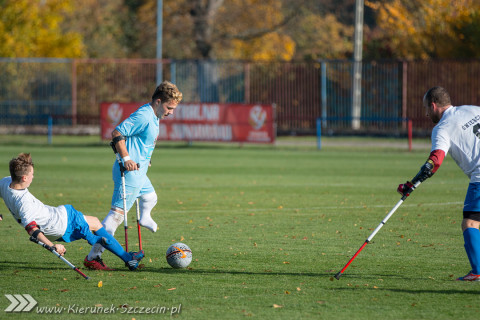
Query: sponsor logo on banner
(257, 117)
(114, 114)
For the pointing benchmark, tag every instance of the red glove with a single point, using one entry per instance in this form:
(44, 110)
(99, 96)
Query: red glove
(405, 189)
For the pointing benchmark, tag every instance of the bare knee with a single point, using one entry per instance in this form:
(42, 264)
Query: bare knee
(469, 223)
(93, 223)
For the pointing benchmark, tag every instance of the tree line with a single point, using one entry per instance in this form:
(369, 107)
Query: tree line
(254, 30)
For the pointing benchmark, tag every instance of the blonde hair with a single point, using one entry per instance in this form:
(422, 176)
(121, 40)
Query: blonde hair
(166, 92)
(20, 166)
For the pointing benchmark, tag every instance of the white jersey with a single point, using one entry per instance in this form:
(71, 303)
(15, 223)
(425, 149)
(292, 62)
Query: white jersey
(25, 208)
(458, 132)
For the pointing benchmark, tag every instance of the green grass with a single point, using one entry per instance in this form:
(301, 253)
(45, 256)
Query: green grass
(269, 226)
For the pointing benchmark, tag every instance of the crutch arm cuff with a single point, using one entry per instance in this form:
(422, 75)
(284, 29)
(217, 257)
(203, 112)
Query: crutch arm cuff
(116, 139)
(35, 234)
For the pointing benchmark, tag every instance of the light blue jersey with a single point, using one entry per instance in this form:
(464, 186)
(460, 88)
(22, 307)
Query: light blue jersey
(141, 129)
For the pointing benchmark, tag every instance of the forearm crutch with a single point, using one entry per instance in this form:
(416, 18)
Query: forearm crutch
(124, 193)
(138, 226)
(52, 250)
(404, 197)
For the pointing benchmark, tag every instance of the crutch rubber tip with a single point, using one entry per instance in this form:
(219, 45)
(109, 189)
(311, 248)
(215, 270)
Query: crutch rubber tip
(338, 275)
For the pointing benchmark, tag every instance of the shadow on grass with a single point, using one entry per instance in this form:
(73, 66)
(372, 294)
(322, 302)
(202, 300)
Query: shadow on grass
(235, 272)
(18, 265)
(15, 266)
(472, 291)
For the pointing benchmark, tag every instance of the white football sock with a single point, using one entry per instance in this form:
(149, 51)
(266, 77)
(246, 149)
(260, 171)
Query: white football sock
(146, 203)
(110, 223)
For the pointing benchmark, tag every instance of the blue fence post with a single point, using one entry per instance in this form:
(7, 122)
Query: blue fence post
(324, 92)
(319, 133)
(50, 125)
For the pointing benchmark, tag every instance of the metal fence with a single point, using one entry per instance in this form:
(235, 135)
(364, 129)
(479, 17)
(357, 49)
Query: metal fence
(71, 90)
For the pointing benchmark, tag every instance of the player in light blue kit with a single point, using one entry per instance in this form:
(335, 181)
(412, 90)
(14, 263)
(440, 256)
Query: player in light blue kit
(134, 140)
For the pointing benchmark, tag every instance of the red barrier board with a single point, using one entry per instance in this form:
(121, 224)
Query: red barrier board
(223, 122)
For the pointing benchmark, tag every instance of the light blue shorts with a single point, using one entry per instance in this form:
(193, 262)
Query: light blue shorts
(136, 185)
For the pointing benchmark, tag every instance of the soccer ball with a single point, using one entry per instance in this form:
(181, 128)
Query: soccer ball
(179, 255)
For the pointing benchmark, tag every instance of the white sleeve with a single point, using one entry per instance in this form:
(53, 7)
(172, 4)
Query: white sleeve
(440, 139)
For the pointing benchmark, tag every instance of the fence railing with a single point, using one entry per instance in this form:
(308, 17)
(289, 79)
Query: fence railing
(71, 90)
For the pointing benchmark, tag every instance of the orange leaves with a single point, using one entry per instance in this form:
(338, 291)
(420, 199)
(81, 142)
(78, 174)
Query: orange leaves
(414, 28)
(35, 30)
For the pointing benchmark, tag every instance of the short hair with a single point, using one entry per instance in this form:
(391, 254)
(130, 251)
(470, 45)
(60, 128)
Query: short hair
(20, 166)
(438, 95)
(167, 91)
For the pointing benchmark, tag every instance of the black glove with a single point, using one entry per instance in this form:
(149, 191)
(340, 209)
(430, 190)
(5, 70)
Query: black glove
(424, 173)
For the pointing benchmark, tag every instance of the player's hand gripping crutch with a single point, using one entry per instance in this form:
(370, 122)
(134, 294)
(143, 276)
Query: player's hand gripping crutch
(52, 250)
(405, 195)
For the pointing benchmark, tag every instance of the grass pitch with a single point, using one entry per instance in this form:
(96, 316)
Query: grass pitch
(268, 226)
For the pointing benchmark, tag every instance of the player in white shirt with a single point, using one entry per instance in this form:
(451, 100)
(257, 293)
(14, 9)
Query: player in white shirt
(457, 131)
(62, 223)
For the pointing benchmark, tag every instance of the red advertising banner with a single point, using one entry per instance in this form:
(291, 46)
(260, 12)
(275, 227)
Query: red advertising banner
(223, 122)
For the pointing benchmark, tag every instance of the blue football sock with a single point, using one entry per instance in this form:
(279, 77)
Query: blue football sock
(111, 244)
(472, 246)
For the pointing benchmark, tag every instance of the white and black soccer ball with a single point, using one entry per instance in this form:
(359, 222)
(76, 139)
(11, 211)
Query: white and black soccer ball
(179, 255)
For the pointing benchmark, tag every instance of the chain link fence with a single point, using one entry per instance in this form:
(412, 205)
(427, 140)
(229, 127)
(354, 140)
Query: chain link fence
(70, 91)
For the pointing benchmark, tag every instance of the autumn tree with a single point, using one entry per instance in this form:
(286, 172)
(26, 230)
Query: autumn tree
(252, 29)
(104, 26)
(32, 28)
(426, 29)
(245, 29)
(321, 37)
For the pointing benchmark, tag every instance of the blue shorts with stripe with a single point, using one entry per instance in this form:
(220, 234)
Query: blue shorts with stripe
(471, 206)
(77, 227)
